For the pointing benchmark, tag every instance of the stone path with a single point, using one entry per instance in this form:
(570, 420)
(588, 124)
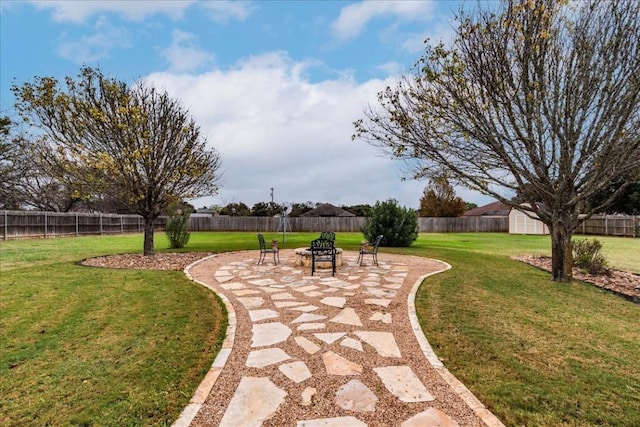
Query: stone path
(319, 350)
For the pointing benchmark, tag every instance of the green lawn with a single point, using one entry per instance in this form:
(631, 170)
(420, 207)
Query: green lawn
(89, 346)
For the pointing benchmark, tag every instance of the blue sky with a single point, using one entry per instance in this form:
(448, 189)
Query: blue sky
(274, 85)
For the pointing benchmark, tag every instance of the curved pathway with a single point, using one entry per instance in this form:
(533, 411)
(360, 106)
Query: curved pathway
(319, 350)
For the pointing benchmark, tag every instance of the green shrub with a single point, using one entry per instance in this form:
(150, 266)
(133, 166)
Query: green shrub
(587, 256)
(399, 225)
(177, 230)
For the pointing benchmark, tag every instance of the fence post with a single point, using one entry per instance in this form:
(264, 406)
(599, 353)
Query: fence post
(45, 224)
(5, 236)
(77, 225)
(121, 225)
(606, 225)
(101, 224)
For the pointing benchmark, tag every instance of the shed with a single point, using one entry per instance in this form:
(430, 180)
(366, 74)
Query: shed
(523, 223)
(327, 209)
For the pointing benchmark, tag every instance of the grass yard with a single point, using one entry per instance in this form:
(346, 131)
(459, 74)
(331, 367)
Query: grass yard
(89, 346)
(536, 353)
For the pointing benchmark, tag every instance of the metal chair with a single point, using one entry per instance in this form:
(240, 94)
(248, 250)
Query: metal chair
(264, 251)
(329, 235)
(323, 250)
(370, 249)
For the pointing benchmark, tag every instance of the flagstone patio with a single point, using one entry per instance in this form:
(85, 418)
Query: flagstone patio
(318, 350)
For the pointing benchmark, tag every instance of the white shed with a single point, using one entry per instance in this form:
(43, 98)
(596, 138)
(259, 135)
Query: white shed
(521, 223)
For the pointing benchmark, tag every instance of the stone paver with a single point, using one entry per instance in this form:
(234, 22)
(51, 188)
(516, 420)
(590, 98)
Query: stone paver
(254, 401)
(338, 328)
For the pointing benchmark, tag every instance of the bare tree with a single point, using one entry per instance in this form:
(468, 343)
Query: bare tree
(134, 144)
(539, 98)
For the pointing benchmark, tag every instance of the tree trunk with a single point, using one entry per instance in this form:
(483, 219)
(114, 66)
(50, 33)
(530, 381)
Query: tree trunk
(148, 236)
(561, 252)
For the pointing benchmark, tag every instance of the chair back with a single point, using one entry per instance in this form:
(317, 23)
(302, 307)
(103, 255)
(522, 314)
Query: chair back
(329, 235)
(376, 242)
(324, 246)
(263, 245)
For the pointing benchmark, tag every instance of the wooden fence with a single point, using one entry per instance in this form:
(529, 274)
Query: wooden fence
(28, 224)
(343, 224)
(611, 225)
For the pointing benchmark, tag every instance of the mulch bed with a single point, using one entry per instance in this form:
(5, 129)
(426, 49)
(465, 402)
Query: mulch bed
(623, 283)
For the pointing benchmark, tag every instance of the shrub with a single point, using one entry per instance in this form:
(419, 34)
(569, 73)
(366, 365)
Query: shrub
(177, 230)
(399, 225)
(587, 256)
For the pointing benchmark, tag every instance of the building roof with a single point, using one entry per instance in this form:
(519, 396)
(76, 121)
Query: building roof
(492, 209)
(327, 209)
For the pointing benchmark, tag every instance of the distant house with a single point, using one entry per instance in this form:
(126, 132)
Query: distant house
(492, 209)
(327, 209)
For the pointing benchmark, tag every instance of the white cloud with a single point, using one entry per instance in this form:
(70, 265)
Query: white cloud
(184, 55)
(393, 68)
(275, 128)
(97, 46)
(355, 17)
(223, 11)
(79, 11)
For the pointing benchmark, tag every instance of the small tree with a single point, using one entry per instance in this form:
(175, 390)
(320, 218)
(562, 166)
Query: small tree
(177, 230)
(439, 199)
(399, 225)
(267, 209)
(133, 143)
(236, 209)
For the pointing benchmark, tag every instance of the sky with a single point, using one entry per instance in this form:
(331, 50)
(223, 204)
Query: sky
(275, 86)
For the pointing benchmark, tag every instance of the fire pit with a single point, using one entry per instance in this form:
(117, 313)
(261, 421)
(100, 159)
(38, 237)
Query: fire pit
(303, 258)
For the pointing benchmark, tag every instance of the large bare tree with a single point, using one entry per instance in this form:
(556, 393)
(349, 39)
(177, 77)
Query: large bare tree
(535, 98)
(135, 144)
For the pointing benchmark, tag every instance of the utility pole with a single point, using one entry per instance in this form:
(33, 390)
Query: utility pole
(272, 195)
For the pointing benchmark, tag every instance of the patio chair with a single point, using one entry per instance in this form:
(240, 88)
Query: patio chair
(370, 249)
(323, 250)
(264, 251)
(329, 235)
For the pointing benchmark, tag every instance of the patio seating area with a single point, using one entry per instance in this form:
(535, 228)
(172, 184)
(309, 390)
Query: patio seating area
(319, 350)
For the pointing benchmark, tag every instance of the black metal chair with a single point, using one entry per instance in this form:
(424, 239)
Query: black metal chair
(329, 235)
(370, 249)
(323, 250)
(264, 250)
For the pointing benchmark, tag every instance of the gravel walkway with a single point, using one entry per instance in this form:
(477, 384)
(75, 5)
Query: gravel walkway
(319, 350)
